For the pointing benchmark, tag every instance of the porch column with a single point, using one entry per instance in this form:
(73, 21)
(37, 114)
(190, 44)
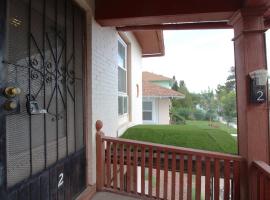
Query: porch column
(253, 123)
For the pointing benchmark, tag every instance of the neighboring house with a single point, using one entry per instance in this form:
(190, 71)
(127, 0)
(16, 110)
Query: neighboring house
(157, 95)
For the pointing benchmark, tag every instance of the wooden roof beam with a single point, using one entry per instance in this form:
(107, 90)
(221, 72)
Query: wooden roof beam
(256, 3)
(183, 26)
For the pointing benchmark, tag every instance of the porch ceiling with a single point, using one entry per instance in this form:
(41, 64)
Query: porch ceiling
(121, 13)
(148, 18)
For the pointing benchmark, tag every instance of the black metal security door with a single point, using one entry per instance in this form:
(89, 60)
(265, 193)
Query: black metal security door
(42, 152)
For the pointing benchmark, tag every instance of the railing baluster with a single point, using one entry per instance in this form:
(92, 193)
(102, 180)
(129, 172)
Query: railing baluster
(198, 177)
(181, 177)
(267, 189)
(158, 175)
(150, 171)
(236, 178)
(142, 170)
(258, 184)
(261, 187)
(128, 168)
(122, 167)
(227, 180)
(115, 160)
(173, 175)
(189, 181)
(216, 179)
(207, 178)
(135, 164)
(108, 164)
(165, 190)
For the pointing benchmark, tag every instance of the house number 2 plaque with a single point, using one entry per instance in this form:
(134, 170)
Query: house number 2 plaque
(60, 179)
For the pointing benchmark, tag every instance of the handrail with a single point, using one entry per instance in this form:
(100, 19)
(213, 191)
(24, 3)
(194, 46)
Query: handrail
(182, 150)
(262, 167)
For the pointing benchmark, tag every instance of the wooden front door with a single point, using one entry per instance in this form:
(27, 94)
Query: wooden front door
(42, 148)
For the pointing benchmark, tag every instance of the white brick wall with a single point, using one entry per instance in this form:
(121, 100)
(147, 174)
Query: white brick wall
(104, 85)
(104, 78)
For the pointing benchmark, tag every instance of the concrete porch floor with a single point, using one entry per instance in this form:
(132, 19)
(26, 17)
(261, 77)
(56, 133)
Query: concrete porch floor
(110, 196)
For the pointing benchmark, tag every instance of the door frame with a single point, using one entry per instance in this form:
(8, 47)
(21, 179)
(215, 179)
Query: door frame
(3, 23)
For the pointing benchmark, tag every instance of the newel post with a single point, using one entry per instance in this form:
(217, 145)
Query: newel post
(100, 156)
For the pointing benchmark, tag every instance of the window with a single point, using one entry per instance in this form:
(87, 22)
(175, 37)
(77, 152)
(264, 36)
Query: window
(122, 78)
(148, 111)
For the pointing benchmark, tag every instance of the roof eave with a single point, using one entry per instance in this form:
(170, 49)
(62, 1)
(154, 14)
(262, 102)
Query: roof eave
(165, 97)
(151, 42)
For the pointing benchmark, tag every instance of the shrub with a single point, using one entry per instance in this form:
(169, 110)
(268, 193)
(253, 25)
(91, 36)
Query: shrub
(211, 116)
(185, 112)
(199, 114)
(177, 119)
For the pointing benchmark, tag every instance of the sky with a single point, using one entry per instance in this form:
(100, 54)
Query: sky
(202, 58)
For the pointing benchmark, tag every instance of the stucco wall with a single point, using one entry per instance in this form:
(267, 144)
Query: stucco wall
(164, 108)
(161, 110)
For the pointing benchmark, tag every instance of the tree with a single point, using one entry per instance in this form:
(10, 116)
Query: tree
(228, 102)
(182, 87)
(209, 104)
(226, 96)
(187, 101)
(230, 82)
(175, 84)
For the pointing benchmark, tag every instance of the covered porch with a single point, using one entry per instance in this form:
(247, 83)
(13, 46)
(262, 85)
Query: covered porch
(245, 176)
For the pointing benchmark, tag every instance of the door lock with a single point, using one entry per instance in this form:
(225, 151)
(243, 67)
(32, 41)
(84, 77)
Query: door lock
(11, 92)
(9, 99)
(33, 107)
(10, 105)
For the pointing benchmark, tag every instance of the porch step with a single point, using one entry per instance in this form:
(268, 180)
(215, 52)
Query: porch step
(110, 196)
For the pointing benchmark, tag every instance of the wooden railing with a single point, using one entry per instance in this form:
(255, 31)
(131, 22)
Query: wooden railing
(261, 187)
(149, 170)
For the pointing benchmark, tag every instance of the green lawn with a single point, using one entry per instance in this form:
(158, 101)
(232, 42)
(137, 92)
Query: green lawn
(195, 134)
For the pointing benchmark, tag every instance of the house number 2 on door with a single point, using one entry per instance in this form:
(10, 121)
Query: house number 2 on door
(60, 180)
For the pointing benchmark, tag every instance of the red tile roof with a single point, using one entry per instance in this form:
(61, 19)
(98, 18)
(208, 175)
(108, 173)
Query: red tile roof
(148, 76)
(151, 89)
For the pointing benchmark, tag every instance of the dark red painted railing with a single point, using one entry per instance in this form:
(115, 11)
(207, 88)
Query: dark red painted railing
(261, 187)
(165, 172)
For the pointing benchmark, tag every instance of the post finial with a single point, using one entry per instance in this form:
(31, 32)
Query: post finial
(99, 125)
